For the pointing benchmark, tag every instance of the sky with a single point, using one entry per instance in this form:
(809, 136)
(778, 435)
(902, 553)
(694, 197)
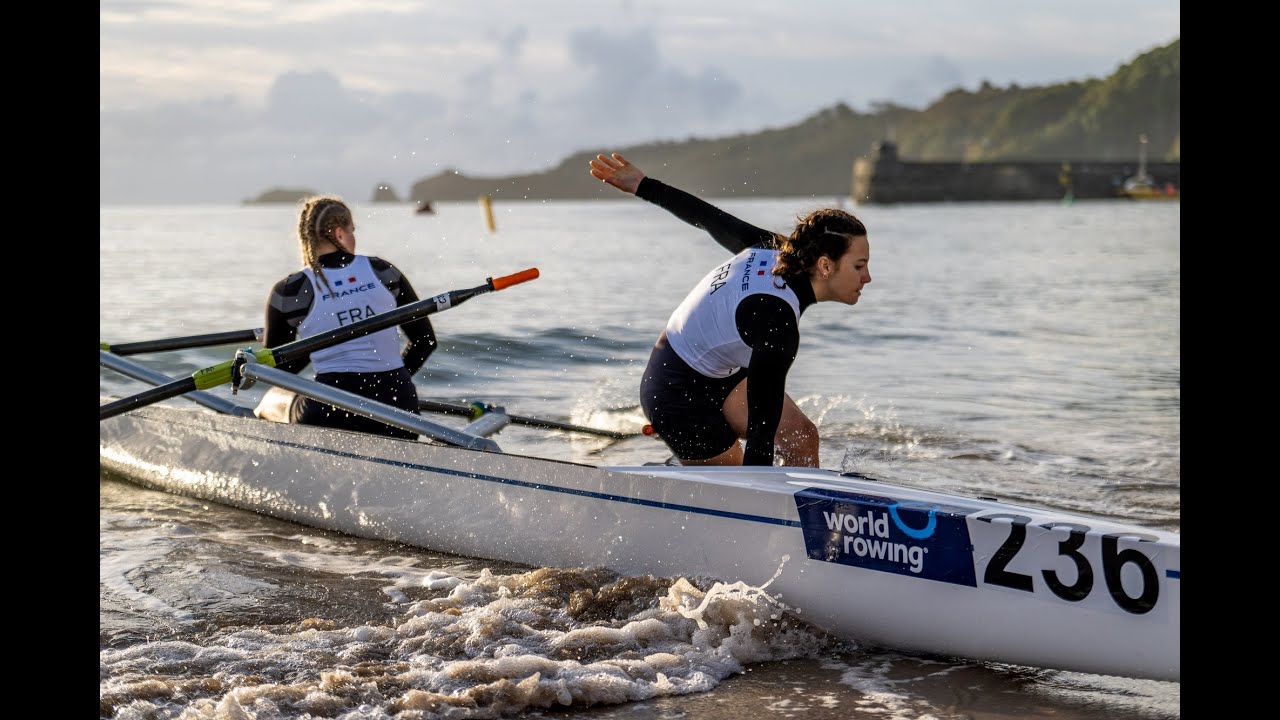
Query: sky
(216, 101)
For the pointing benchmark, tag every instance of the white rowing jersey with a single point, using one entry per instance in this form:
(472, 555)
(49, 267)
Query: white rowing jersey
(354, 293)
(703, 330)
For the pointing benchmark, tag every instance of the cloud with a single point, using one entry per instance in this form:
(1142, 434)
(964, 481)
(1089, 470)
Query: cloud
(340, 95)
(311, 130)
(927, 81)
(512, 42)
(315, 103)
(631, 94)
(627, 73)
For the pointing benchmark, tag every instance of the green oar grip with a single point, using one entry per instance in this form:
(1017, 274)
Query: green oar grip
(220, 374)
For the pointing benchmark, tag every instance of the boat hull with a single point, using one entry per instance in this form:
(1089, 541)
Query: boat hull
(900, 567)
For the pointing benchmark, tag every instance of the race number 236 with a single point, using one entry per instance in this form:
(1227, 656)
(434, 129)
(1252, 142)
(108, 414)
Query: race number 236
(1113, 562)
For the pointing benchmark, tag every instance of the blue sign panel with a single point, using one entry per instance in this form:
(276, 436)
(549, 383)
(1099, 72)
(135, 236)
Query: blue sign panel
(917, 539)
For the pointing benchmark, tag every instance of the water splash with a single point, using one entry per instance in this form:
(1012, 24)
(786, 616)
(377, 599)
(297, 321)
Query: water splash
(485, 648)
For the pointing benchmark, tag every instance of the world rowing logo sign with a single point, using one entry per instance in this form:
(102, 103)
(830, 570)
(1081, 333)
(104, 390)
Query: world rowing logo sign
(926, 540)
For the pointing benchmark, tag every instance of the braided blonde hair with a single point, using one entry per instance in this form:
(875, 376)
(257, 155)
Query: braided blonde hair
(829, 231)
(320, 216)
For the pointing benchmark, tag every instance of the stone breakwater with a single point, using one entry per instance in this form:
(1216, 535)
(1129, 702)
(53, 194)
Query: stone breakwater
(883, 178)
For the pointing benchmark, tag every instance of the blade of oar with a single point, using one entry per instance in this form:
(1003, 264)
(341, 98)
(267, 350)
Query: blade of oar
(180, 343)
(221, 373)
(475, 410)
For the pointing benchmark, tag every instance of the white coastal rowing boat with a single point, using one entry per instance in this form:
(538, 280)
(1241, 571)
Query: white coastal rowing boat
(890, 565)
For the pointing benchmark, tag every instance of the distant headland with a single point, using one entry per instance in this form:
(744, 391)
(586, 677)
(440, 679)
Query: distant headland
(280, 195)
(382, 193)
(1087, 126)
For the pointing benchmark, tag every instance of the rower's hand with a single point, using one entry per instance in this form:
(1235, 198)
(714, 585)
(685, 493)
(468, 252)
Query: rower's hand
(616, 171)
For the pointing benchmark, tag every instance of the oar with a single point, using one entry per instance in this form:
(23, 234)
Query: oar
(221, 373)
(138, 371)
(475, 410)
(180, 343)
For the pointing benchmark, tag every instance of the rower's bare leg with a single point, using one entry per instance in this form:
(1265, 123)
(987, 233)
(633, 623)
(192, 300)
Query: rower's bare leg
(796, 441)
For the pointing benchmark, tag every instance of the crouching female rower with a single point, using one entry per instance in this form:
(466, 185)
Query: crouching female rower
(718, 371)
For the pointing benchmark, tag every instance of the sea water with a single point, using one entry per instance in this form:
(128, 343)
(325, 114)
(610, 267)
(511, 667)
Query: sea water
(1026, 351)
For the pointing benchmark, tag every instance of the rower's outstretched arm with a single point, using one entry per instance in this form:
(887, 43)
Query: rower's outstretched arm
(733, 234)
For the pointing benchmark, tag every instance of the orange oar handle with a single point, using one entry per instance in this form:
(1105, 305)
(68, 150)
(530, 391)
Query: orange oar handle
(507, 281)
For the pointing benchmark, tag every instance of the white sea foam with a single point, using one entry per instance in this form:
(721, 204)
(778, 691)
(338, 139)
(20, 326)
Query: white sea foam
(482, 648)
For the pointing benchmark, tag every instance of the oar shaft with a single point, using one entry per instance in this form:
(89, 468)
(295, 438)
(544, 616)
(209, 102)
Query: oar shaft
(475, 411)
(147, 397)
(222, 373)
(180, 343)
(219, 374)
(403, 314)
(555, 425)
(466, 411)
(138, 371)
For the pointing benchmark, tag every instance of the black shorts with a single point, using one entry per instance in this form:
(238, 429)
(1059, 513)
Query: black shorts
(685, 407)
(391, 387)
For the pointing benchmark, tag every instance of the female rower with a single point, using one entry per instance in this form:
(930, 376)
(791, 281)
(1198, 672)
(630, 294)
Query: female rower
(718, 372)
(335, 288)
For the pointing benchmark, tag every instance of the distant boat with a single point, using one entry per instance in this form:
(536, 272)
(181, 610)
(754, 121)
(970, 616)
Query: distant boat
(1144, 187)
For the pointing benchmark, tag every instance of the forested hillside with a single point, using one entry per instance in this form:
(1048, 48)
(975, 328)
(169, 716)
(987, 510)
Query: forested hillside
(1094, 119)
